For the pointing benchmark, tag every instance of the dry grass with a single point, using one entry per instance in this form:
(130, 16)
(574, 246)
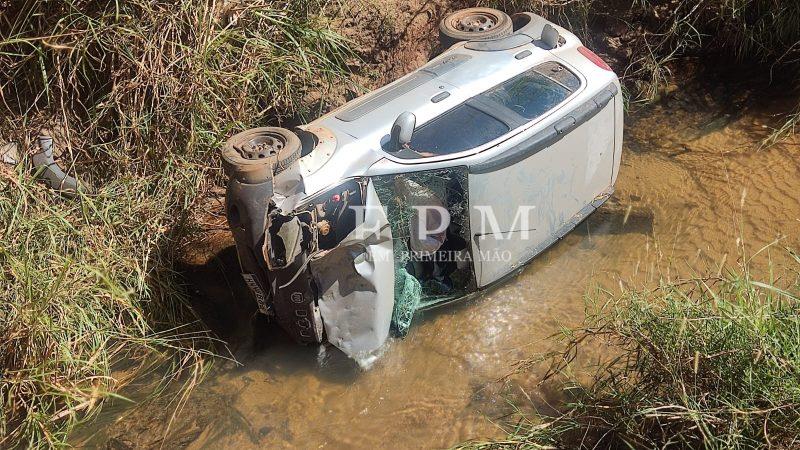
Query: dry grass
(142, 92)
(132, 81)
(708, 362)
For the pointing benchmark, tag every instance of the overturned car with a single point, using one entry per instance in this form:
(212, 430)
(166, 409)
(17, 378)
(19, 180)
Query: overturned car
(430, 189)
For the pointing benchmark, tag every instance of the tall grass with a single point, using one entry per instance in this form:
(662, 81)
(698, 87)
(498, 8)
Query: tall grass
(141, 93)
(134, 80)
(751, 31)
(657, 32)
(710, 362)
(86, 284)
(768, 30)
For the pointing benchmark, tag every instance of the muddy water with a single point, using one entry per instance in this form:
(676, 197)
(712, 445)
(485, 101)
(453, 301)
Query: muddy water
(692, 190)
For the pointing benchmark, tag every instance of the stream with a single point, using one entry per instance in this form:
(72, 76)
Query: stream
(693, 193)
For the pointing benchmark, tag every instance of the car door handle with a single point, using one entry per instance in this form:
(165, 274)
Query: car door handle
(565, 125)
(602, 99)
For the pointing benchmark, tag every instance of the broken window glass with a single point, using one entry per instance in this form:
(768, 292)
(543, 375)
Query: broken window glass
(427, 278)
(530, 94)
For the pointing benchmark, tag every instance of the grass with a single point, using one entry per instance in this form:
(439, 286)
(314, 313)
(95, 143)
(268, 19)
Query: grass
(711, 362)
(141, 93)
(86, 284)
(135, 80)
(787, 128)
(656, 32)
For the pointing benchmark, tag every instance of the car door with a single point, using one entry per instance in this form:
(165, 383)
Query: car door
(544, 182)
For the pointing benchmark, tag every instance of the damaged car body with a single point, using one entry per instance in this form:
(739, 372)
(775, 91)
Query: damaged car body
(428, 190)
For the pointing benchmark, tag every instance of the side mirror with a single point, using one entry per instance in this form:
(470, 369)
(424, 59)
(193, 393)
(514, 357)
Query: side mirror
(550, 37)
(402, 130)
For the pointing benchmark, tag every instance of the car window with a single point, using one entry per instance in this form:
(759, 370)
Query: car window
(559, 74)
(530, 94)
(457, 130)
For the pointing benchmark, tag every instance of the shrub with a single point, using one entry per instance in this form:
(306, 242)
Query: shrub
(708, 362)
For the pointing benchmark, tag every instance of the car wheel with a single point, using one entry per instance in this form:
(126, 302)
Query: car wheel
(474, 24)
(256, 155)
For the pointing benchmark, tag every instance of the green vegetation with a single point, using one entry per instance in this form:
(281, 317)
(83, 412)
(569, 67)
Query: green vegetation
(142, 92)
(644, 36)
(708, 362)
(85, 284)
(135, 80)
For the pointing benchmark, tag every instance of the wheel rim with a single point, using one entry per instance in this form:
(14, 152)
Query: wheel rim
(261, 146)
(475, 22)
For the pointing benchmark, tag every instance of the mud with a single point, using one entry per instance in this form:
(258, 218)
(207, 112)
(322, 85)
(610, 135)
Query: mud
(693, 192)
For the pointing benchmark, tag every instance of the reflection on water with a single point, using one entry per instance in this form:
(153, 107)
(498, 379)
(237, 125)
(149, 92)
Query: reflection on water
(690, 185)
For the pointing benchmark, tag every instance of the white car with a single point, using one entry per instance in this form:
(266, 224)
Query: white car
(427, 190)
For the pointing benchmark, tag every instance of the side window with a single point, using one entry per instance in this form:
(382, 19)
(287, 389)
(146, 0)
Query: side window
(532, 94)
(493, 113)
(457, 130)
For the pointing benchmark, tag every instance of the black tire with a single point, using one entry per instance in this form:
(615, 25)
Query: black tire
(474, 24)
(256, 155)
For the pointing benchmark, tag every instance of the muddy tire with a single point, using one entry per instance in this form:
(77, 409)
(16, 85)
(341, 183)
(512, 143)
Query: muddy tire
(474, 24)
(256, 155)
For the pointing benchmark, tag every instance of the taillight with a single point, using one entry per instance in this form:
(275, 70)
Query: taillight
(591, 56)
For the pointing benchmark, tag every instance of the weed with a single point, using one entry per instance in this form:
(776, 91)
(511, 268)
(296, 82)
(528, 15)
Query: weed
(711, 362)
(141, 93)
(86, 284)
(134, 80)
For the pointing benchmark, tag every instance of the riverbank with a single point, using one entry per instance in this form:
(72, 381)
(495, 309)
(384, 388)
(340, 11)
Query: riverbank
(678, 204)
(138, 95)
(703, 362)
